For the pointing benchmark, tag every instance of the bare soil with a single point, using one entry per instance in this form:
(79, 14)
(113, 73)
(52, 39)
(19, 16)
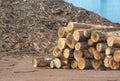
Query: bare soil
(21, 69)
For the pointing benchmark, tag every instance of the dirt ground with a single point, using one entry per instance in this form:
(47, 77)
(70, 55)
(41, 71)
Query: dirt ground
(20, 69)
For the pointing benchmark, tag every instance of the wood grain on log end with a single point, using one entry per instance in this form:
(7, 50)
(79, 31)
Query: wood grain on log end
(81, 63)
(62, 32)
(61, 43)
(74, 64)
(116, 56)
(113, 64)
(77, 54)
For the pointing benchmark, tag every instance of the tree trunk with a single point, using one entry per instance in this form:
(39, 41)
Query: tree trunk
(116, 56)
(113, 41)
(62, 32)
(61, 43)
(70, 41)
(77, 54)
(113, 64)
(101, 47)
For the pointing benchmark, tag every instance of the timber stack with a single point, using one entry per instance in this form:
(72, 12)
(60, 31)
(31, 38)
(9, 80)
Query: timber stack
(85, 46)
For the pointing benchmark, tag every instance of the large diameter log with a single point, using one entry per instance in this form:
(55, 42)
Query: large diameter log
(99, 56)
(62, 32)
(106, 61)
(100, 47)
(57, 52)
(74, 64)
(116, 56)
(52, 64)
(70, 41)
(113, 64)
(96, 64)
(84, 64)
(113, 41)
(77, 54)
(78, 35)
(41, 62)
(61, 44)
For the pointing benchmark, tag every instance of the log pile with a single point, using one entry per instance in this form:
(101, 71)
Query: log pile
(85, 46)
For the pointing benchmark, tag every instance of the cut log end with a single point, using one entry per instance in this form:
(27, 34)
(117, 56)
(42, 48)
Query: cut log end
(77, 54)
(113, 64)
(76, 35)
(66, 53)
(116, 56)
(110, 41)
(52, 65)
(61, 43)
(94, 37)
(57, 52)
(91, 50)
(62, 31)
(81, 63)
(74, 64)
(100, 47)
(77, 46)
(106, 61)
(70, 26)
(96, 64)
(57, 63)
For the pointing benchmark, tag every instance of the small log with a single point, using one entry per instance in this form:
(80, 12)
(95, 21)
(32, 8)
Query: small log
(87, 33)
(98, 36)
(57, 63)
(78, 35)
(91, 50)
(81, 63)
(113, 41)
(116, 56)
(70, 41)
(99, 56)
(77, 46)
(87, 55)
(84, 64)
(77, 54)
(74, 64)
(61, 43)
(113, 64)
(106, 61)
(74, 26)
(110, 51)
(66, 53)
(52, 64)
(90, 42)
(57, 52)
(96, 64)
(41, 62)
(62, 32)
(100, 47)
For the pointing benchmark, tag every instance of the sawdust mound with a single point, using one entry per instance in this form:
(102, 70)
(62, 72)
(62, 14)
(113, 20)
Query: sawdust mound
(29, 26)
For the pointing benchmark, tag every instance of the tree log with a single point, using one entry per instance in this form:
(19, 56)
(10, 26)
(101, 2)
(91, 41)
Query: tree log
(57, 63)
(61, 43)
(78, 35)
(70, 41)
(77, 54)
(74, 64)
(116, 56)
(106, 61)
(66, 53)
(87, 55)
(77, 46)
(100, 47)
(52, 64)
(113, 41)
(57, 52)
(113, 64)
(91, 50)
(41, 62)
(96, 64)
(99, 56)
(62, 32)
(90, 42)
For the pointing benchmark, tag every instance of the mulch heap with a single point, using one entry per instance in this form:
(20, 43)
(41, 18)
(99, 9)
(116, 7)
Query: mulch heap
(30, 26)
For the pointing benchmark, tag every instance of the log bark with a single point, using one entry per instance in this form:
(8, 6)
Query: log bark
(116, 56)
(113, 41)
(106, 61)
(113, 64)
(61, 43)
(70, 41)
(62, 32)
(87, 55)
(41, 62)
(74, 26)
(87, 33)
(77, 54)
(78, 35)
(100, 47)
(74, 64)
(57, 52)
(96, 64)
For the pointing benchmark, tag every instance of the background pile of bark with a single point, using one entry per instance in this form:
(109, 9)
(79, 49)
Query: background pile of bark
(29, 26)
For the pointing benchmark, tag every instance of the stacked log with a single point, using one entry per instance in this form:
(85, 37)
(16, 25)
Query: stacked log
(85, 46)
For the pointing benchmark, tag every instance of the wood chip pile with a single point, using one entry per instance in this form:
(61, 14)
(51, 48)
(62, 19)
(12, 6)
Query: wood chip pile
(85, 46)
